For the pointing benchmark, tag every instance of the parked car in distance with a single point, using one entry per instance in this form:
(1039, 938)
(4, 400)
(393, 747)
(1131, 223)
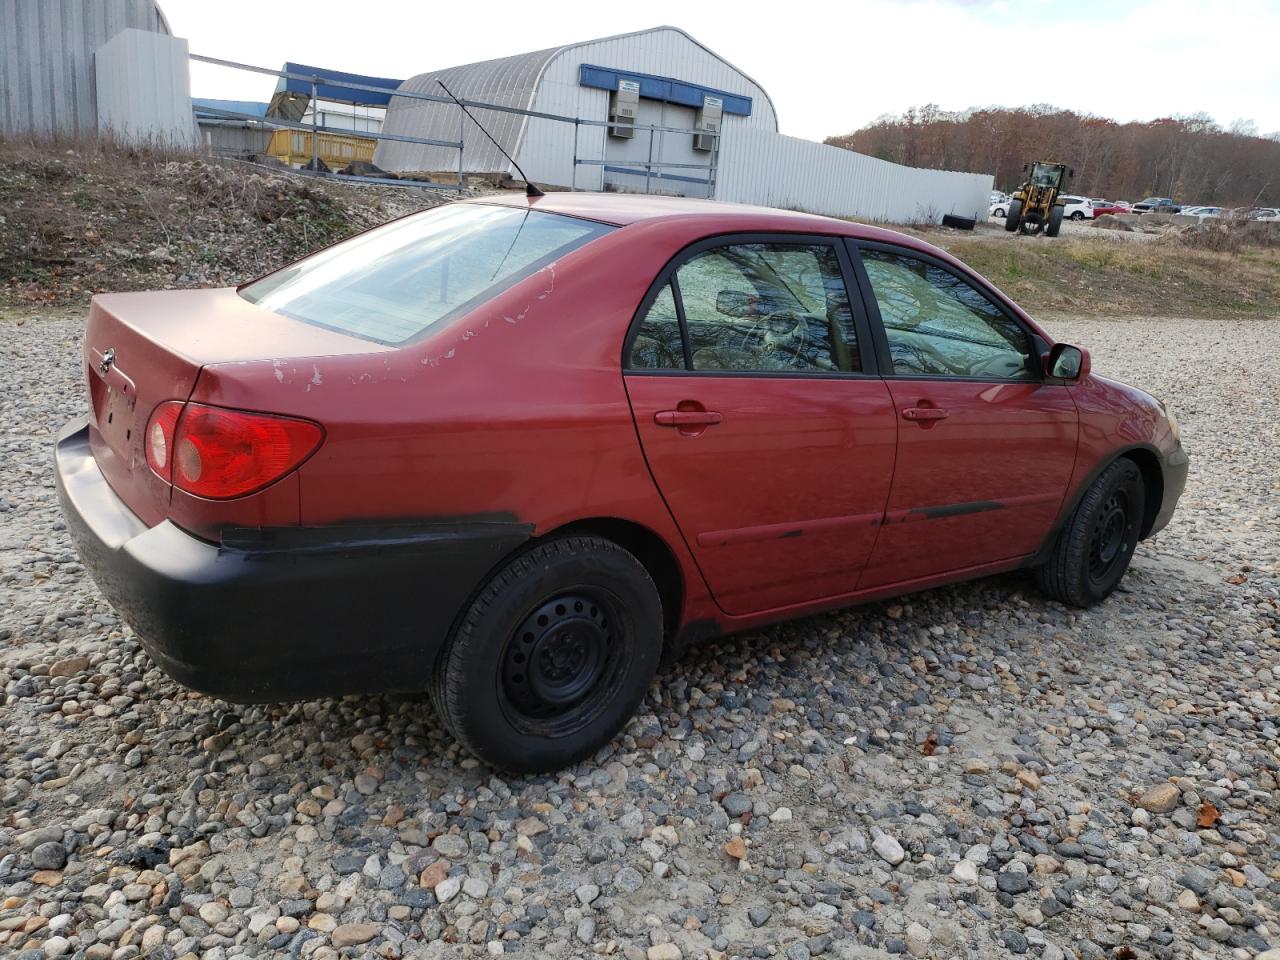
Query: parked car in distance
(1101, 207)
(1156, 205)
(511, 450)
(1203, 212)
(1264, 213)
(1077, 208)
(999, 209)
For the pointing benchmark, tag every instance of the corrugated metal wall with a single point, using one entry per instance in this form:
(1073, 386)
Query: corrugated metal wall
(46, 59)
(233, 140)
(509, 82)
(144, 89)
(767, 168)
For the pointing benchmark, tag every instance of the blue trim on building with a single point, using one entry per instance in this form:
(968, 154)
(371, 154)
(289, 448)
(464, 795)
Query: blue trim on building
(229, 106)
(662, 88)
(327, 91)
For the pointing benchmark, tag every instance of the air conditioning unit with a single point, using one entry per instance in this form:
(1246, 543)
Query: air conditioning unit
(708, 118)
(624, 105)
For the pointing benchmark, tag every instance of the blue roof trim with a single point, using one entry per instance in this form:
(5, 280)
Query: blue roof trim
(662, 88)
(333, 91)
(230, 106)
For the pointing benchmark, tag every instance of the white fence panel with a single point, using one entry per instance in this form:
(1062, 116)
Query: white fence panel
(758, 166)
(144, 89)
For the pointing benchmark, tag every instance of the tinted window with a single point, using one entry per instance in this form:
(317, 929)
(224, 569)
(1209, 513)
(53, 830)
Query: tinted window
(657, 345)
(768, 307)
(939, 325)
(394, 282)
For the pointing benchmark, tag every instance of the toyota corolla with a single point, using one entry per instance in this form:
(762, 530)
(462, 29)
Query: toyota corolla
(510, 451)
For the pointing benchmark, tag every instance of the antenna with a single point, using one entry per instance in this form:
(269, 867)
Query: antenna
(529, 189)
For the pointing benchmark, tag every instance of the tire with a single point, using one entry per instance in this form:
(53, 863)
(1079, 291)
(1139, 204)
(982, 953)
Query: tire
(1077, 215)
(1015, 216)
(1094, 548)
(552, 656)
(999, 213)
(1054, 226)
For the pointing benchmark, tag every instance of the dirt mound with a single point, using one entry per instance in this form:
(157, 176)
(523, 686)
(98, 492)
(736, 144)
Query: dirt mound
(1109, 222)
(94, 218)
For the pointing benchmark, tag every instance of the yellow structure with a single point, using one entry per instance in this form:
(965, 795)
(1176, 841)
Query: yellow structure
(335, 149)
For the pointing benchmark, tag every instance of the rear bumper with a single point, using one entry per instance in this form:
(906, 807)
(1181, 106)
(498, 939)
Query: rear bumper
(281, 613)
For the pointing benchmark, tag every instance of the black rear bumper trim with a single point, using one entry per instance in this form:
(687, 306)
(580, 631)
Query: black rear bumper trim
(282, 613)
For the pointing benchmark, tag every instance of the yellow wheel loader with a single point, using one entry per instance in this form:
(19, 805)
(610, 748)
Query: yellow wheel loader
(1037, 204)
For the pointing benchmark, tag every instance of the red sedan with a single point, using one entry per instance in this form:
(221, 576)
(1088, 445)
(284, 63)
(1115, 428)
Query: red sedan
(1109, 206)
(511, 450)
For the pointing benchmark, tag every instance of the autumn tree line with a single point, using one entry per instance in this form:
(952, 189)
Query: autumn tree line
(1191, 159)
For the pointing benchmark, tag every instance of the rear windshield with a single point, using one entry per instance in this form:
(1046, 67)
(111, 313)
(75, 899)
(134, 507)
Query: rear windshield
(392, 283)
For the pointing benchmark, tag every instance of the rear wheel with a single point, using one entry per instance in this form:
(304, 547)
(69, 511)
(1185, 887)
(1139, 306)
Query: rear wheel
(1094, 548)
(998, 212)
(552, 657)
(1077, 215)
(1014, 218)
(1055, 221)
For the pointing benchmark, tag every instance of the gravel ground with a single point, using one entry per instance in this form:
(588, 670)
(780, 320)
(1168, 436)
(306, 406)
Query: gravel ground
(972, 771)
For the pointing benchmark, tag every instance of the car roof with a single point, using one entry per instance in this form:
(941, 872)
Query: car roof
(621, 209)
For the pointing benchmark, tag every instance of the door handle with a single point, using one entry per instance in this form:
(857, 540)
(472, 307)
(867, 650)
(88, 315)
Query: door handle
(924, 413)
(686, 418)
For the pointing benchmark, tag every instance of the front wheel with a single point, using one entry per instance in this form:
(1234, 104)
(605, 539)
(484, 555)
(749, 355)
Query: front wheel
(1094, 548)
(1077, 215)
(999, 213)
(1014, 219)
(552, 657)
(1054, 225)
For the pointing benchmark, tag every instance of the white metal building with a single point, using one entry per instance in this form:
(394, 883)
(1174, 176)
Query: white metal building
(660, 76)
(47, 51)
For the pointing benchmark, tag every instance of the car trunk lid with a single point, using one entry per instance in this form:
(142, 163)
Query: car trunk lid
(141, 349)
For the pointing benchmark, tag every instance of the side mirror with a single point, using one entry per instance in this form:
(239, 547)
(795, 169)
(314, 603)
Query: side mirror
(1065, 362)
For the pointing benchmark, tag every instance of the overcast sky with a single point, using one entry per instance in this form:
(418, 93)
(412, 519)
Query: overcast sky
(830, 68)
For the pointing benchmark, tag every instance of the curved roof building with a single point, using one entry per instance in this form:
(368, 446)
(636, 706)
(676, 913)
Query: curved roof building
(673, 73)
(47, 50)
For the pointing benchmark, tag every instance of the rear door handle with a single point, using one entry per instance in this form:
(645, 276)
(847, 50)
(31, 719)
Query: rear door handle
(686, 418)
(924, 413)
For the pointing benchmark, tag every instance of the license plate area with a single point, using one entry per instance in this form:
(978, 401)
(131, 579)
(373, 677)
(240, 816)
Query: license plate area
(115, 402)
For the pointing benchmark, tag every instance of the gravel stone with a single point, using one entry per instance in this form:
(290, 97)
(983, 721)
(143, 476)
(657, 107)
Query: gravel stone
(1007, 775)
(49, 856)
(889, 849)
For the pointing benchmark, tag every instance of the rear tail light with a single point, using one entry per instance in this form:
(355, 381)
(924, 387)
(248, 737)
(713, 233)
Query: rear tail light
(218, 453)
(160, 430)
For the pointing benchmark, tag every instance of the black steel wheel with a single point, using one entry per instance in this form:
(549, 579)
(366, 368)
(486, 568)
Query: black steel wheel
(1109, 539)
(562, 664)
(553, 655)
(1094, 547)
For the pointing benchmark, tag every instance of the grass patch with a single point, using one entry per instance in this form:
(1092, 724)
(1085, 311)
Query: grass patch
(1087, 275)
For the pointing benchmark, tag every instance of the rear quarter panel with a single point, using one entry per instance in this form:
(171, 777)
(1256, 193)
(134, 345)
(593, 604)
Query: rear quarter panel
(516, 412)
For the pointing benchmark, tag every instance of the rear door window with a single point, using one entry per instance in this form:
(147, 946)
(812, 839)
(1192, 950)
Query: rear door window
(752, 307)
(392, 283)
